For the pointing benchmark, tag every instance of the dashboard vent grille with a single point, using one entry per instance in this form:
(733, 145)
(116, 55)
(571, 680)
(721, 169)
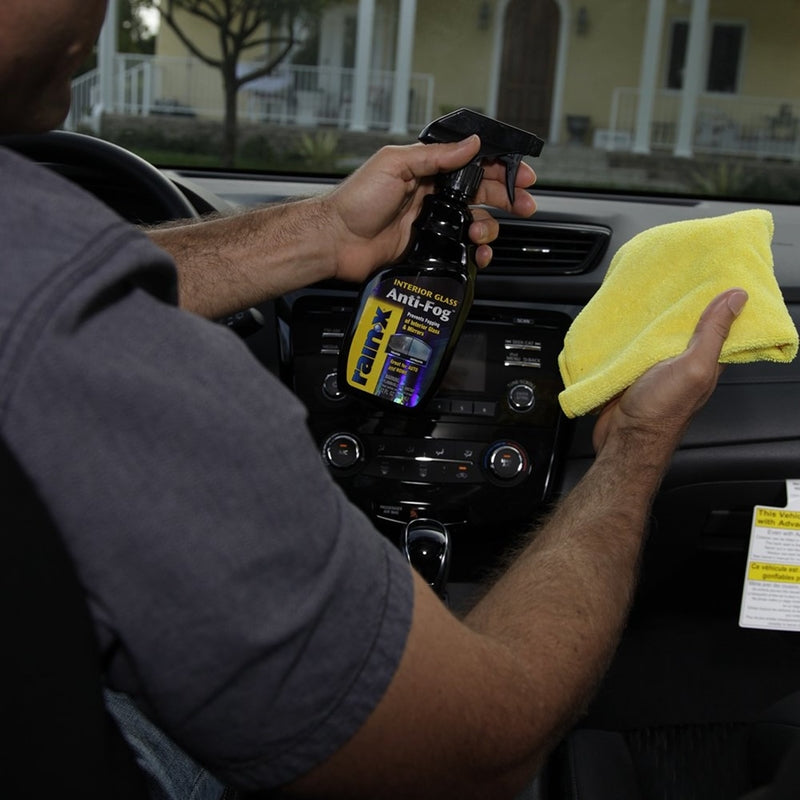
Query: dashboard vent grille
(547, 248)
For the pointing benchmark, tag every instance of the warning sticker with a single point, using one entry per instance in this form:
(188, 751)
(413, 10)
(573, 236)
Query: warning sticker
(781, 573)
(771, 596)
(777, 518)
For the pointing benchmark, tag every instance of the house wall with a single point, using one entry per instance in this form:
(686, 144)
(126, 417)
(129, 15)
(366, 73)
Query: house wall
(769, 32)
(449, 48)
(607, 55)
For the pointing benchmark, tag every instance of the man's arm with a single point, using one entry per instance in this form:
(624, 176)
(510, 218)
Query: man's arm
(476, 705)
(229, 263)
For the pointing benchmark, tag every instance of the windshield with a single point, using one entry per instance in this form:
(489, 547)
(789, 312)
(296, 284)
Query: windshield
(682, 97)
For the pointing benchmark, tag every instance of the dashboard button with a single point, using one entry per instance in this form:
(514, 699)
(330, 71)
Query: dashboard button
(521, 396)
(342, 450)
(440, 405)
(485, 408)
(462, 407)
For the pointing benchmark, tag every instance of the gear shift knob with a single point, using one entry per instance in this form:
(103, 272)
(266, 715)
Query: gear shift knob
(426, 545)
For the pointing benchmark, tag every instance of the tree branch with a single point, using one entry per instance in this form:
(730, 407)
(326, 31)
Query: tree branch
(167, 16)
(262, 72)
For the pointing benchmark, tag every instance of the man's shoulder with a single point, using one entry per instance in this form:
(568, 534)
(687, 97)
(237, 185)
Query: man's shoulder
(37, 198)
(52, 227)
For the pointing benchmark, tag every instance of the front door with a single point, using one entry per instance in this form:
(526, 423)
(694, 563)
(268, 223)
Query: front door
(530, 42)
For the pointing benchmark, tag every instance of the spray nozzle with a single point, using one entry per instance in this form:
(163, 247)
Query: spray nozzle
(499, 141)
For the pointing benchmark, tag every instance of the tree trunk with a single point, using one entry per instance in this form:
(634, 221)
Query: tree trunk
(230, 123)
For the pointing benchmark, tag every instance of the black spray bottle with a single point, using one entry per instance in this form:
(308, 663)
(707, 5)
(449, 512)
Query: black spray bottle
(410, 315)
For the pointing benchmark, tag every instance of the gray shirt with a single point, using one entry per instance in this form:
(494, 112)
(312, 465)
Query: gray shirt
(236, 593)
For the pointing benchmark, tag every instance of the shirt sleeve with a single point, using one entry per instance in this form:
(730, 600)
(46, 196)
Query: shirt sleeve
(237, 593)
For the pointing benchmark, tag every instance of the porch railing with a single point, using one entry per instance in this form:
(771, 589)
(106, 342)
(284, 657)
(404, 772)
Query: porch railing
(145, 85)
(765, 127)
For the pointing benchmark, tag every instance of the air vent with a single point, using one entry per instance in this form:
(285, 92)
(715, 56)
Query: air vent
(527, 247)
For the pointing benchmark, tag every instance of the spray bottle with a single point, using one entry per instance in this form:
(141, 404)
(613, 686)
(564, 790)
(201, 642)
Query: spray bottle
(409, 315)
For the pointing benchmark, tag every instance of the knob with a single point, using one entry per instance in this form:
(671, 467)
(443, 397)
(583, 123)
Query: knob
(426, 545)
(521, 396)
(330, 387)
(506, 461)
(342, 450)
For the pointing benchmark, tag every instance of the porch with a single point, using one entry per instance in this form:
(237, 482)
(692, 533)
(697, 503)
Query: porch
(736, 125)
(292, 94)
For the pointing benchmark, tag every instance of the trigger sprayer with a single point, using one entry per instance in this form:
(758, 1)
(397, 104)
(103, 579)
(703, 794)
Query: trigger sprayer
(410, 315)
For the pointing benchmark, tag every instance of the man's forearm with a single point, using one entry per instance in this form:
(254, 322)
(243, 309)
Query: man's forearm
(232, 262)
(561, 606)
(477, 705)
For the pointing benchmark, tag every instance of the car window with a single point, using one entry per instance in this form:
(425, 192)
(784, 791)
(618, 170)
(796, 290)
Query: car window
(694, 98)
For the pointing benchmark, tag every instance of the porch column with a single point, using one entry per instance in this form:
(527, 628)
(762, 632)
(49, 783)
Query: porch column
(648, 75)
(693, 73)
(106, 54)
(402, 71)
(565, 26)
(366, 18)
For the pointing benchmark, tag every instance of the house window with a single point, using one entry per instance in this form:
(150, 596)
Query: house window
(724, 58)
(677, 55)
(349, 42)
(725, 54)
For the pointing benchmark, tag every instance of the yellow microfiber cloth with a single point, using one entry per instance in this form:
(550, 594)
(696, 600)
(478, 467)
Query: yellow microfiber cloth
(655, 290)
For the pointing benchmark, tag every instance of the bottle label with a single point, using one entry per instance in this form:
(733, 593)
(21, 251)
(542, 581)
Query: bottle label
(402, 336)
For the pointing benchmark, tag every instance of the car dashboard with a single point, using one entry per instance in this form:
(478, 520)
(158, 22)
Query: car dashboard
(492, 452)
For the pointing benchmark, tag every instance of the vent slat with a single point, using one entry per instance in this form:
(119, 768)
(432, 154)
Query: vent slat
(542, 248)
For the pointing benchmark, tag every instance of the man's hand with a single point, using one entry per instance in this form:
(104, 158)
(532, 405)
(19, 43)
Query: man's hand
(370, 213)
(660, 405)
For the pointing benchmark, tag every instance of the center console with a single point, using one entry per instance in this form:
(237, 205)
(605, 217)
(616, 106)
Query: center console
(478, 460)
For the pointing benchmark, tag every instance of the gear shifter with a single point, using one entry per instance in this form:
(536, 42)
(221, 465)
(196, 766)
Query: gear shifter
(426, 545)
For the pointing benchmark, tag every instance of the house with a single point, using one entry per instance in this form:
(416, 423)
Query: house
(679, 75)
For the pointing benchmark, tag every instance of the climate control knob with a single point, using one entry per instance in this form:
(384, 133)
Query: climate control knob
(506, 461)
(342, 450)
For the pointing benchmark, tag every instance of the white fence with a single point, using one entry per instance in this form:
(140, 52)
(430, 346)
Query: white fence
(144, 85)
(765, 127)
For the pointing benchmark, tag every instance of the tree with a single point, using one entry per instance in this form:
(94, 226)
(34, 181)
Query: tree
(133, 35)
(276, 26)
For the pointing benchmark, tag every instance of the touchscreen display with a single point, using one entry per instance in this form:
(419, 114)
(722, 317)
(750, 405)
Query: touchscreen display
(467, 371)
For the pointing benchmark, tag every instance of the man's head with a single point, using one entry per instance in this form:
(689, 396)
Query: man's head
(42, 44)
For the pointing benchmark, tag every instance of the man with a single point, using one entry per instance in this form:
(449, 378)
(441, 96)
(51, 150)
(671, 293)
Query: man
(249, 610)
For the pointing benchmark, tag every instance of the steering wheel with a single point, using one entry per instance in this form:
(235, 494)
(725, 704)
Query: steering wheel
(131, 186)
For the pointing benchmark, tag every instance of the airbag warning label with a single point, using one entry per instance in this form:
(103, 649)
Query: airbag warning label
(771, 596)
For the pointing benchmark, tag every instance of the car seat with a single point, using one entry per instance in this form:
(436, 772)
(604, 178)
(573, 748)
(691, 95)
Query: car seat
(58, 738)
(758, 760)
